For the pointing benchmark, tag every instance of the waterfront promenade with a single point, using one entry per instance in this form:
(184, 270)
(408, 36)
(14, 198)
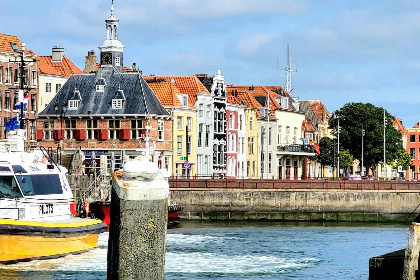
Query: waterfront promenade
(313, 200)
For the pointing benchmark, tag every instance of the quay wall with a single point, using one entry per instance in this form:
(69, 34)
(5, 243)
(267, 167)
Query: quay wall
(297, 204)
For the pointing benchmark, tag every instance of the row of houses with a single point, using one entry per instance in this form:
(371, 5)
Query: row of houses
(195, 126)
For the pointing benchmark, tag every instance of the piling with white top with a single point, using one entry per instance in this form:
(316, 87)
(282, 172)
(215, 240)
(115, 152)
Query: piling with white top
(137, 233)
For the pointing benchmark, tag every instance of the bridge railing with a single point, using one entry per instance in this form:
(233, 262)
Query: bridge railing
(178, 183)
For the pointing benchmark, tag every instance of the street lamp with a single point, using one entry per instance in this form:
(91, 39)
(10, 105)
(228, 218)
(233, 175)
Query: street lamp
(362, 171)
(63, 112)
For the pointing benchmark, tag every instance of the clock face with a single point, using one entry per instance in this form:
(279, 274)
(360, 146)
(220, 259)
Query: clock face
(106, 58)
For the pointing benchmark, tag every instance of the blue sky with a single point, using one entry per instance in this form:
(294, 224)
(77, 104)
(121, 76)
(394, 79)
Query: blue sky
(348, 50)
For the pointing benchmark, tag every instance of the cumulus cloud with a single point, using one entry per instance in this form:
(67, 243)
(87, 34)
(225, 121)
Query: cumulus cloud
(249, 45)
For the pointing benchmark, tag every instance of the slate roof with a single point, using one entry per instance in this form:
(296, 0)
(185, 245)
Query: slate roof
(64, 68)
(139, 98)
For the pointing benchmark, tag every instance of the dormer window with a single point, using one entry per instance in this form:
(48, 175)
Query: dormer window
(183, 98)
(117, 61)
(118, 100)
(117, 103)
(285, 103)
(100, 88)
(74, 104)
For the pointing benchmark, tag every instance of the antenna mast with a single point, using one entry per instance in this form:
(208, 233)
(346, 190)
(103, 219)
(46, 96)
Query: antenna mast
(288, 85)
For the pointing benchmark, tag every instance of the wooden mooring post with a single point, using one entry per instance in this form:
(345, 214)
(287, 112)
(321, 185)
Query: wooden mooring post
(137, 234)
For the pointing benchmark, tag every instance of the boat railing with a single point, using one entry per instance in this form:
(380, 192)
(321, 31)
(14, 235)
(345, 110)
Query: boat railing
(93, 187)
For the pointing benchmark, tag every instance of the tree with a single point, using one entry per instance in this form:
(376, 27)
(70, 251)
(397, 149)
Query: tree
(346, 160)
(355, 116)
(326, 152)
(403, 159)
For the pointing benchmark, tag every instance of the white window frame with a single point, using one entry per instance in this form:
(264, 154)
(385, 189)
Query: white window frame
(117, 104)
(161, 132)
(34, 78)
(189, 123)
(179, 145)
(73, 104)
(200, 110)
(208, 111)
(117, 61)
(179, 121)
(100, 88)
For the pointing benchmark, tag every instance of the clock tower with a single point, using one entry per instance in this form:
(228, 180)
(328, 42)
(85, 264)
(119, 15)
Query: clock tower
(112, 49)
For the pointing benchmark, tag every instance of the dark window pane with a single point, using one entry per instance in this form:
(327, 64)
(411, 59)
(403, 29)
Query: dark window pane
(40, 184)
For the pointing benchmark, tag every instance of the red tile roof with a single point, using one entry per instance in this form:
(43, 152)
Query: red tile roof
(166, 93)
(189, 85)
(307, 126)
(319, 109)
(64, 68)
(5, 45)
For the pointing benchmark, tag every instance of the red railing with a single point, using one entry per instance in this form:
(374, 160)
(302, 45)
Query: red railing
(182, 183)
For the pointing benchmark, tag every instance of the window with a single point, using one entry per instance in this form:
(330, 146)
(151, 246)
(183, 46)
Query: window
(206, 164)
(57, 88)
(279, 134)
(9, 187)
(250, 123)
(241, 122)
(117, 61)
(231, 121)
(100, 88)
(70, 129)
(243, 145)
(8, 75)
(47, 87)
(92, 129)
(26, 77)
(32, 130)
(207, 141)
(287, 134)
(48, 130)
(179, 122)
(419, 138)
(40, 184)
(136, 128)
(160, 130)
(7, 100)
(189, 147)
(412, 138)
(251, 145)
(269, 136)
(1, 97)
(34, 78)
(248, 168)
(269, 163)
(183, 98)
(200, 135)
(199, 164)
(200, 110)
(413, 153)
(117, 103)
(114, 129)
(208, 111)
(285, 102)
(179, 145)
(295, 135)
(189, 123)
(15, 100)
(16, 76)
(33, 102)
(1, 74)
(73, 104)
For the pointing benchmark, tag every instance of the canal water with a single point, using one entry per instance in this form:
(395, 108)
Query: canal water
(242, 251)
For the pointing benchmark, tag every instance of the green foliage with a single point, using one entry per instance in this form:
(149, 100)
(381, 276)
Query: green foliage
(346, 159)
(403, 159)
(354, 116)
(326, 148)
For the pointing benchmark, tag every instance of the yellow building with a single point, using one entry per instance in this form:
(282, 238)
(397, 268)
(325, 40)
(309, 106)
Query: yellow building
(178, 95)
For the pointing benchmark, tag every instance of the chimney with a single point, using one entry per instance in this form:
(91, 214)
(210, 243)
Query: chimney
(57, 54)
(90, 63)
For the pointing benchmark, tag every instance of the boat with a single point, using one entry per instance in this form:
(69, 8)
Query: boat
(35, 207)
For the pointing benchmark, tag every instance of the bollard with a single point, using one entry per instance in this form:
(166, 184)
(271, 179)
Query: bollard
(411, 261)
(139, 212)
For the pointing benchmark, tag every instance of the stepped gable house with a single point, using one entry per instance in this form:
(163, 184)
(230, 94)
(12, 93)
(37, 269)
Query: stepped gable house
(10, 46)
(107, 112)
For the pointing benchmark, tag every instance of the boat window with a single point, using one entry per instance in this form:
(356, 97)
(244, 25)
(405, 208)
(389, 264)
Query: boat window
(8, 187)
(40, 184)
(18, 169)
(4, 169)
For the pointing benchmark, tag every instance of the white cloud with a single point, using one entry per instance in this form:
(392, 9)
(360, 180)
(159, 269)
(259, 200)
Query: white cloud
(251, 44)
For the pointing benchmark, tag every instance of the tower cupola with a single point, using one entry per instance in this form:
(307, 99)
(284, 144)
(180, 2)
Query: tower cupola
(112, 49)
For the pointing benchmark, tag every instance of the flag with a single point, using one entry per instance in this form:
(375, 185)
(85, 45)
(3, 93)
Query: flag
(316, 148)
(25, 102)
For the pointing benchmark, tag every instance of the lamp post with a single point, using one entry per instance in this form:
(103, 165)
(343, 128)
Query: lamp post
(384, 167)
(338, 149)
(63, 111)
(363, 170)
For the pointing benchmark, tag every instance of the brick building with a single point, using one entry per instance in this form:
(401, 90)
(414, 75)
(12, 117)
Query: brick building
(413, 149)
(10, 46)
(107, 112)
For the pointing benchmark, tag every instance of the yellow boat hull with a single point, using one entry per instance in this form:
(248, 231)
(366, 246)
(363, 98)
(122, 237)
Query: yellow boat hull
(24, 241)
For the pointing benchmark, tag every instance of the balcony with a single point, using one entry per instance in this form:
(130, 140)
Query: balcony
(295, 149)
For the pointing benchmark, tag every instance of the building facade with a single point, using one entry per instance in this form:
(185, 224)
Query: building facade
(54, 70)
(413, 149)
(109, 113)
(11, 49)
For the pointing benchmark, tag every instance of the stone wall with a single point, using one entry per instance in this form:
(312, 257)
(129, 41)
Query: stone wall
(297, 205)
